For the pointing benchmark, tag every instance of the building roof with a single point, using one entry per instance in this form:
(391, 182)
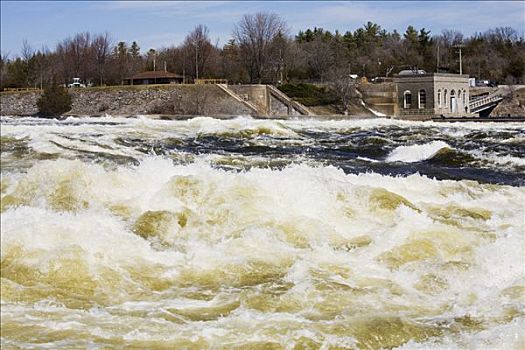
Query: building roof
(412, 72)
(429, 75)
(155, 75)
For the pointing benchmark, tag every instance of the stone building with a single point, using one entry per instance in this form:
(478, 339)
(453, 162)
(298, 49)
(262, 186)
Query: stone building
(422, 96)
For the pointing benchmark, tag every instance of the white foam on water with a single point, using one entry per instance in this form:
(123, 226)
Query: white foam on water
(374, 112)
(297, 223)
(368, 159)
(191, 255)
(416, 153)
(501, 159)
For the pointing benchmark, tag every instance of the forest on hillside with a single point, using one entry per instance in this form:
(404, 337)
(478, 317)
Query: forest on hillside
(262, 49)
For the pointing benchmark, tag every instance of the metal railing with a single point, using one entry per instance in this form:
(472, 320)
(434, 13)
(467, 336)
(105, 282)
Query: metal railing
(479, 103)
(211, 81)
(21, 89)
(287, 100)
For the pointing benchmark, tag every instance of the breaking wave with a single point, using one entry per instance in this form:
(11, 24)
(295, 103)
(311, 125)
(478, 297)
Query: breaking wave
(416, 153)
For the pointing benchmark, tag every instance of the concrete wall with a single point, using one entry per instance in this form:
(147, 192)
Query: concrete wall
(277, 107)
(380, 97)
(434, 86)
(260, 96)
(133, 100)
(255, 93)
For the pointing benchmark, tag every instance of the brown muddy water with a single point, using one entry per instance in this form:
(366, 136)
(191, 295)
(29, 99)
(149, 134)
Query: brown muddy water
(261, 234)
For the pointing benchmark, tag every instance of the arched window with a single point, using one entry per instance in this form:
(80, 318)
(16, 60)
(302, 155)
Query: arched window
(407, 99)
(422, 99)
(465, 97)
(439, 98)
(453, 101)
(445, 98)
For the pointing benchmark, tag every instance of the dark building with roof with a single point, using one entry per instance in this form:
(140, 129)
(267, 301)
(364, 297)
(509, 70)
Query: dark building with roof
(154, 77)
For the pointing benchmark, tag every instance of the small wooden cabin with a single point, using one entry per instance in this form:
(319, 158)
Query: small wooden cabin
(154, 77)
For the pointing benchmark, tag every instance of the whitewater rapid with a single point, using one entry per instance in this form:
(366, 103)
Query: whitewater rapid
(221, 234)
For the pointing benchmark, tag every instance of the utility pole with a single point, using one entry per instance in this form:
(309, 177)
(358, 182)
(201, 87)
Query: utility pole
(280, 66)
(459, 46)
(196, 61)
(437, 63)
(460, 63)
(155, 77)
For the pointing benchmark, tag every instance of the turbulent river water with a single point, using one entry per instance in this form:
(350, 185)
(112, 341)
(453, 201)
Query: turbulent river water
(261, 234)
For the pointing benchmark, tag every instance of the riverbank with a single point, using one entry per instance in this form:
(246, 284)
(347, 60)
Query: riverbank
(179, 102)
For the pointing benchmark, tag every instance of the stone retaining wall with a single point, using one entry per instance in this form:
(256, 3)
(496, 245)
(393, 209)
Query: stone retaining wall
(133, 100)
(19, 103)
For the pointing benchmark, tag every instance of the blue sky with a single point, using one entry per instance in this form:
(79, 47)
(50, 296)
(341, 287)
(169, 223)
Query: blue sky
(154, 24)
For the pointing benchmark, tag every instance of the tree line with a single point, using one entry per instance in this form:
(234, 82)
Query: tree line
(262, 50)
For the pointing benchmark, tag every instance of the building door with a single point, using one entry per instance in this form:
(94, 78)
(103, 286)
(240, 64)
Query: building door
(453, 104)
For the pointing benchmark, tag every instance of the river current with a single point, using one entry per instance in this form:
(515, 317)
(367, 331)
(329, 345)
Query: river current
(261, 234)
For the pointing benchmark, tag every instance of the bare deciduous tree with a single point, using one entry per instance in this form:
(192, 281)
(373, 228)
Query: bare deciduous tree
(319, 57)
(343, 87)
(262, 51)
(101, 47)
(197, 49)
(27, 53)
(232, 67)
(76, 57)
(121, 60)
(255, 35)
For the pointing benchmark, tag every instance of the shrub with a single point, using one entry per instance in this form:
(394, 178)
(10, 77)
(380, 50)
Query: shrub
(54, 101)
(309, 94)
